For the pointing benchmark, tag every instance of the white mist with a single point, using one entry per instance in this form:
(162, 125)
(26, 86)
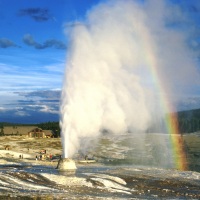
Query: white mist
(108, 81)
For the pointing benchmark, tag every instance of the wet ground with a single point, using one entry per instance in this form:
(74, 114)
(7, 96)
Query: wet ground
(128, 167)
(97, 181)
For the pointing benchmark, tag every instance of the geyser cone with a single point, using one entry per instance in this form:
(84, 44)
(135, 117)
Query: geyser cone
(66, 164)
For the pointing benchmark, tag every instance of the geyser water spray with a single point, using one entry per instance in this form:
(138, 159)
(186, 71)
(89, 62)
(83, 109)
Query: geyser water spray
(122, 60)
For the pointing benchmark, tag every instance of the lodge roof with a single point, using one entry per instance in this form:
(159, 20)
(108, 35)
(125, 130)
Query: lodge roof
(17, 130)
(25, 130)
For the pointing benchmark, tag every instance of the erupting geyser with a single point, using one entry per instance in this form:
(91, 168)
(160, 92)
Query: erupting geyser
(127, 64)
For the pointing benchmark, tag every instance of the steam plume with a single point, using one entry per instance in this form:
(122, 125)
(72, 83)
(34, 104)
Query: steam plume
(109, 82)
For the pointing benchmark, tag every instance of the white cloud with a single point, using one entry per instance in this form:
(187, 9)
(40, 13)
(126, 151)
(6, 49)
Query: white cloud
(21, 113)
(47, 109)
(14, 78)
(56, 68)
(2, 109)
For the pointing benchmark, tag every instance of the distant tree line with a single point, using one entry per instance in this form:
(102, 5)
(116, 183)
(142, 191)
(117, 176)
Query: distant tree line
(54, 126)
(188, 122)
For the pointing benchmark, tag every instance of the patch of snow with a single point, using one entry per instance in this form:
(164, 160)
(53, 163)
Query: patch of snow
(65, 180)
(3, 183)
(110, 184)
(113, 178)
(8, 189)
(25, 185)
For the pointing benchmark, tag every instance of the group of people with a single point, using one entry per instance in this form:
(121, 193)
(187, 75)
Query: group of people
(38, 157)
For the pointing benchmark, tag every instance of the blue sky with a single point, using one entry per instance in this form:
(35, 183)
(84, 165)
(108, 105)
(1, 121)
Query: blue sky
(33, 48)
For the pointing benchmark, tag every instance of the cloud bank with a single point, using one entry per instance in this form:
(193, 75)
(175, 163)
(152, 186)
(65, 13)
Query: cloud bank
(6, 43)
(31, 107)
(29, 40)
(37, 14)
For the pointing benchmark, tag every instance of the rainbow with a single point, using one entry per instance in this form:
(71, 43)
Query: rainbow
(171, 121)
(177, 141)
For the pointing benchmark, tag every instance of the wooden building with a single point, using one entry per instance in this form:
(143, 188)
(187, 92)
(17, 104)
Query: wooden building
(36, 132)
(17, 130)
(29, 131)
